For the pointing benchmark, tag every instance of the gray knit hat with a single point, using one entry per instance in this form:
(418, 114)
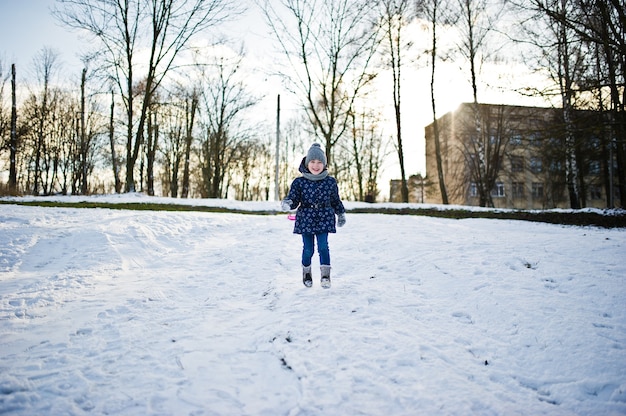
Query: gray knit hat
(315, 153)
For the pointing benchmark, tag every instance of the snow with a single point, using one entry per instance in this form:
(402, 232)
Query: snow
(189, 313)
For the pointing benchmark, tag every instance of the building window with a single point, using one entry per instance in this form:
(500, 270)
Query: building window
(517, 189)
(554, 142)
(556, 166)
(536, 165)
(595, 192)
(537, 190)
(516, 139)
(473, 190)
(517, 164)
(595, 142)
(535, 139)
(498, 190)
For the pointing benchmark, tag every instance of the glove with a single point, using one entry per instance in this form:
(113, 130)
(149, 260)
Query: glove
(286, 204)
(341, 219)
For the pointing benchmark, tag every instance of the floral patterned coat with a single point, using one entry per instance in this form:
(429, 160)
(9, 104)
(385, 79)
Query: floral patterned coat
(317, 202)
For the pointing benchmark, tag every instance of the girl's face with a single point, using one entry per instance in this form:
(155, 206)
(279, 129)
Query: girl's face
(315, 167)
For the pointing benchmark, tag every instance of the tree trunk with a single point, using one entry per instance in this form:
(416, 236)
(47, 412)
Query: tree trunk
(565, 80)
(83, 138)
(436, 138)
(114, 164)
(357, 158)
(151, 147)
(13, 140)
(190, 116)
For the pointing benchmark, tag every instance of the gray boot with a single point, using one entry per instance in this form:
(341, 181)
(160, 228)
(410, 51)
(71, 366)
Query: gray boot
(325, 276)
(307, 279)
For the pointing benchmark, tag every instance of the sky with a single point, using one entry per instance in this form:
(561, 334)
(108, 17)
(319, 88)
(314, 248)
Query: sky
(26, 26)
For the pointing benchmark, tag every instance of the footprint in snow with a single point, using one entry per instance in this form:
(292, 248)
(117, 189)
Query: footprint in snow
(463, 317)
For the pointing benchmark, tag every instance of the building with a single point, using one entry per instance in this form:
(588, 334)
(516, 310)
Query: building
(417, 189)
(518, 153)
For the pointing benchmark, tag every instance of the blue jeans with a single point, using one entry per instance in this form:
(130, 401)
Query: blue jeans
(308, 241)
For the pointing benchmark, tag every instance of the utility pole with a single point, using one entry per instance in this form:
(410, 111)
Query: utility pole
(83, 139)
(611, 197)
(277, 173)
(13, 140)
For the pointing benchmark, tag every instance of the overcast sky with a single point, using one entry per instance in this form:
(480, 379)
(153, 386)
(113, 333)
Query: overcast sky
(27, 26)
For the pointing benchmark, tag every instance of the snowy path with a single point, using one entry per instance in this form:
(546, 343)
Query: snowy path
(134, 313)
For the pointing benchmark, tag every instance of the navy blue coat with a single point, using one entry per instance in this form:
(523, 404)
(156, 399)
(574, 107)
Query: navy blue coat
(317, 203)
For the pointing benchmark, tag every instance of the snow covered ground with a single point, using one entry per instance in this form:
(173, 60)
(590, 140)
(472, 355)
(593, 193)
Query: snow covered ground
(164, 313)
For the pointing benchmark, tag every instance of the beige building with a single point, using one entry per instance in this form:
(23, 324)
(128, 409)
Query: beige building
(417, 189)
(522, 148)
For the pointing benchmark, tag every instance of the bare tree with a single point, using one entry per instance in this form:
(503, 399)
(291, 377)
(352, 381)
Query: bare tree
(4, 118)
(484, 151)
(364, 157)
(395, 15)
(561, 52)
(128, 49)
(51, 137)
(172, 147)
(475, 24)
(84, 145)
(91, 144)
(177, 114)
(567, 58)
(8, 124)
(58, 132)
(329, 45)
(41, 108)
(604, 28)
(114, 159)
(191, 110)
(224, 99)
(293, 136)
(151, 145)
(251, 169)
(433, 11)
(601, 25)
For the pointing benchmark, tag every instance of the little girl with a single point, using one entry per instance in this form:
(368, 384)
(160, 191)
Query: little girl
(316, 196)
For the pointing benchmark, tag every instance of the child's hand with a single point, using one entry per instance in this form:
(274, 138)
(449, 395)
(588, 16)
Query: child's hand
(341, 219)
(286, 204)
